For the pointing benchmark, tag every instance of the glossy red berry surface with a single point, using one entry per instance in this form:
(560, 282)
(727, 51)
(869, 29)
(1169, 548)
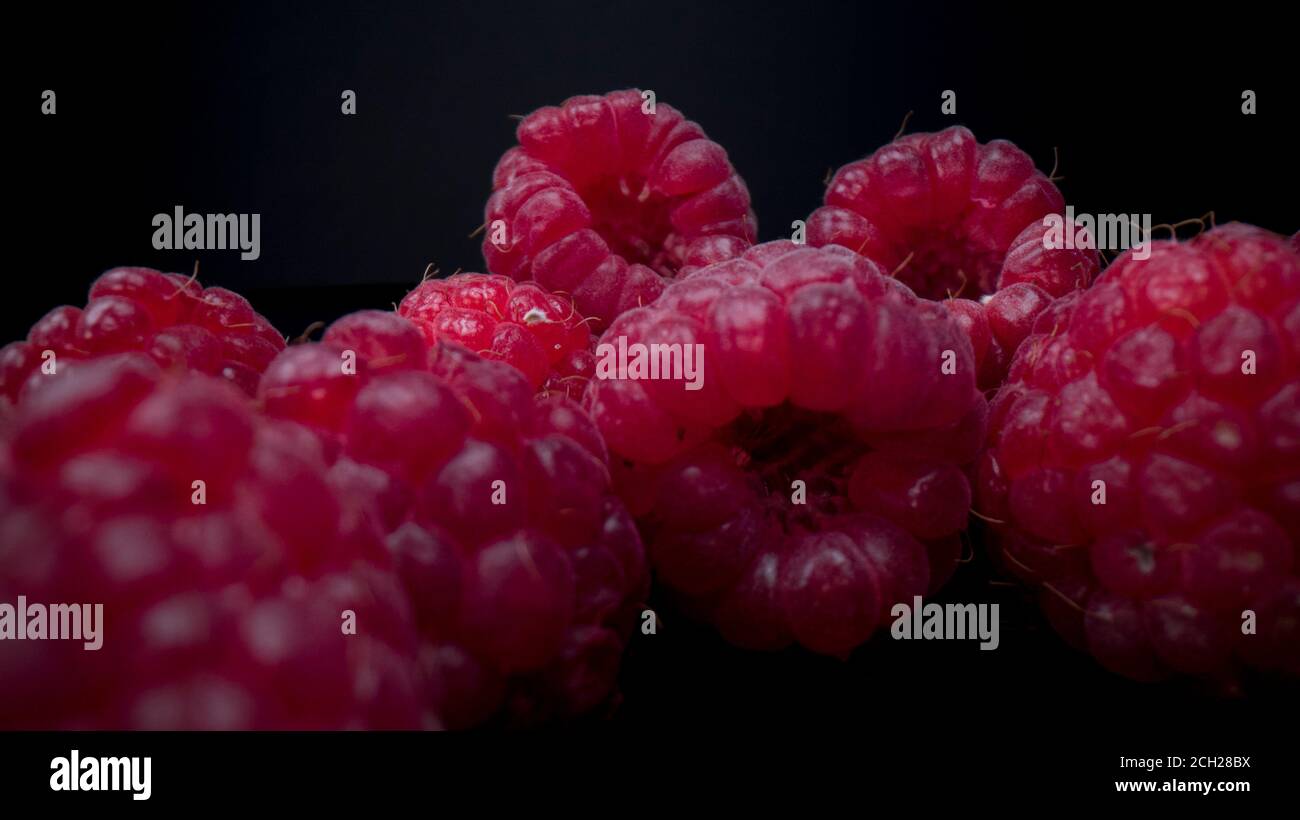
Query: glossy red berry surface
(606, 197)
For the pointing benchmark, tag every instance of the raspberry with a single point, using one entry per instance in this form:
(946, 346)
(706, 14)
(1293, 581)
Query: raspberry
(1173, 385)
(523, 568)
(818, 369)
(604, 198)
(955, 218)
(168, 316)
(539, 333)
(946, 205)
(221, 610)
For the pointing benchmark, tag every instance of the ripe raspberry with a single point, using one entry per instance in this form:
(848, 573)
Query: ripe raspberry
(947, 205)
(524, 570)
(604, 197)
(816, 368)
(169, 316)
(1173, 387)
(539, 333)
(954, 218)
(222, 601)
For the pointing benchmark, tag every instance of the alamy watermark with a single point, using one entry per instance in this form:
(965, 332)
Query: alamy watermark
(1107, 232)
(656, 361)
(209, 232)
(102, 774)
(25, 621)
(948, 622)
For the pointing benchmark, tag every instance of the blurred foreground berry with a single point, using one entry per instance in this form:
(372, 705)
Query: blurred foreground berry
(524, 570)
(224, 560)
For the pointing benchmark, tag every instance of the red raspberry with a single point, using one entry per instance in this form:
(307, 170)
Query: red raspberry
(946, 205)
(525, 571)
(817, 368)
(169, 316)
(603, 198)
(539, 333)
(1175, 382)
(952, 217)
(220, 611)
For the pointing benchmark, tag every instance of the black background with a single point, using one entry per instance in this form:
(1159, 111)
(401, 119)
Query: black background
(235, 107)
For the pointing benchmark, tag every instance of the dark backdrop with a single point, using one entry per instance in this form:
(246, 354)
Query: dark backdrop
(234, 107)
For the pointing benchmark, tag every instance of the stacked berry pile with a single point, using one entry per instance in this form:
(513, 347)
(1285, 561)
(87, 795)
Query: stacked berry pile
(435, 516)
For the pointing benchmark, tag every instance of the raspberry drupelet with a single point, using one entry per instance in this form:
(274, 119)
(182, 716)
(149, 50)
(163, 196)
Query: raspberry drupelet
(524, 570)
(607, 197)
(221, 553)
(166, 315)
(520, 323)
(1143, 460)
(814, 477)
